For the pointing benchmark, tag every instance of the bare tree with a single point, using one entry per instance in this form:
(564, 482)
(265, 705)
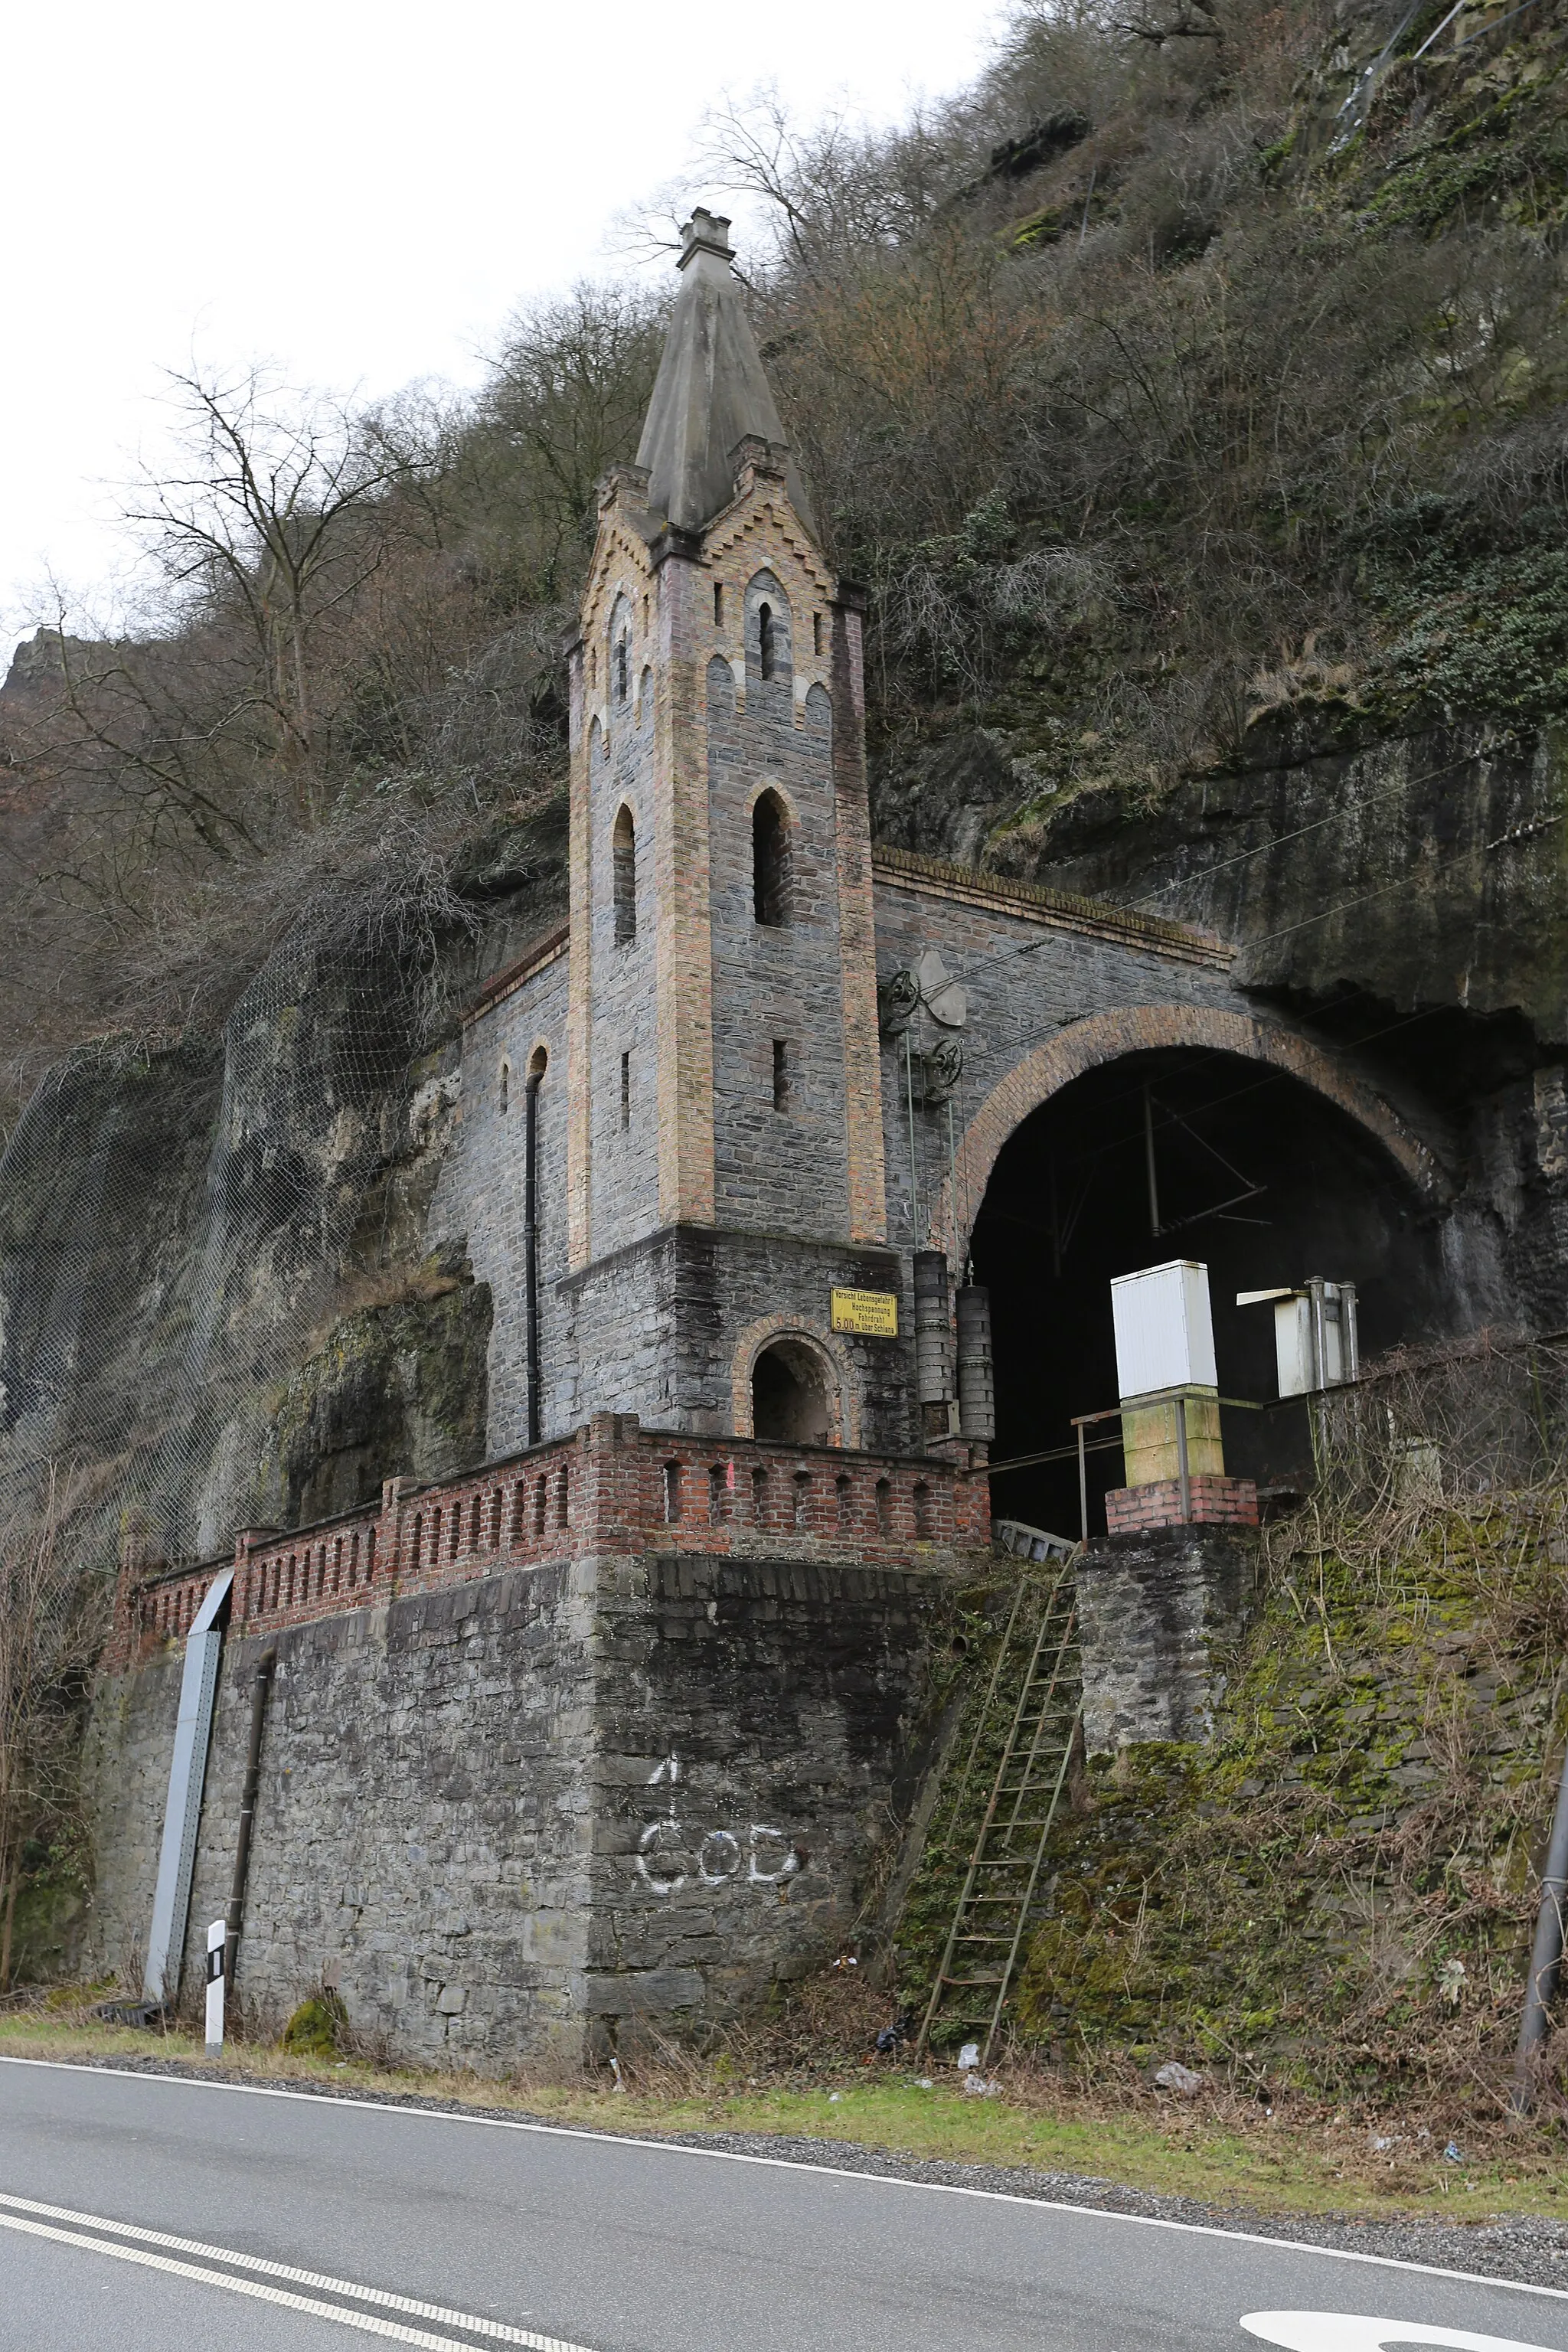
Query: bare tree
(275, 522)
(51, 1629)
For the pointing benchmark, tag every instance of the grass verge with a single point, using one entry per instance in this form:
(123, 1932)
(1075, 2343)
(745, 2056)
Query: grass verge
(1216, 2148)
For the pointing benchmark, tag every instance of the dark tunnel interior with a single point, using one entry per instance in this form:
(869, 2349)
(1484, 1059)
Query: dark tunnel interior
(1255, 1176)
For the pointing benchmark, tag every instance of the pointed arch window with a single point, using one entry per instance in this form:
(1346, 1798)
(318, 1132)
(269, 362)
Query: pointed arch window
(623, 876)
(772, 877)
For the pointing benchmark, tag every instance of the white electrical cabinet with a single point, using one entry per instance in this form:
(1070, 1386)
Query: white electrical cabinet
(1316, 1344)
(1164, 1330)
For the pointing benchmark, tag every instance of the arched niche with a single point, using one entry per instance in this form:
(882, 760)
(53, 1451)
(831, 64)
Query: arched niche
(772, 861)
(624, 875)
(808, 1370)
(769, 633)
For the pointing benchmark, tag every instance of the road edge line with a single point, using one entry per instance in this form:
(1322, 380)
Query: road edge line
(790, 2164)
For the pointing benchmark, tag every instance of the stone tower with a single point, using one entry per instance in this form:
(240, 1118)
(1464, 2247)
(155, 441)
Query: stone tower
(725, 1154)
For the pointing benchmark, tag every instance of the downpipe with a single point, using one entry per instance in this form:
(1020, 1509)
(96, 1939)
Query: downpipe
(1545, 1953)
(531, 1254)
(232, 1917)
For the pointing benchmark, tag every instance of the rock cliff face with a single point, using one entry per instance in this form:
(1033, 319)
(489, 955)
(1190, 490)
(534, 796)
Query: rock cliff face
(221, 1293)
(1403, 894)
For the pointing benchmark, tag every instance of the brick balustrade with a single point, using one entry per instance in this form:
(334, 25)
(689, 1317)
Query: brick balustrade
(612, 1486)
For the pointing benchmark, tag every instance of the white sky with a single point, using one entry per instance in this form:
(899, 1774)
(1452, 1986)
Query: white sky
(358, 194)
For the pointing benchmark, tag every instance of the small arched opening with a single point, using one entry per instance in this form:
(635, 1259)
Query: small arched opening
(623, 876)
(771, 877)
(767, 640)
(790, 1395)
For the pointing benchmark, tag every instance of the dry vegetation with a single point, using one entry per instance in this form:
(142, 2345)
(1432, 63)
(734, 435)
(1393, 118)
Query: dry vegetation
(1153, 393)
(813, 2073)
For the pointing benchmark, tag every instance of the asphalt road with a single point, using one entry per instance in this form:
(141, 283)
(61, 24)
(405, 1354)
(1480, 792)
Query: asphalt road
(145, 2214)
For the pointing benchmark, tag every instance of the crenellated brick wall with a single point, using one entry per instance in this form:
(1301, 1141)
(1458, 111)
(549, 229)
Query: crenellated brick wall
(612, 1486)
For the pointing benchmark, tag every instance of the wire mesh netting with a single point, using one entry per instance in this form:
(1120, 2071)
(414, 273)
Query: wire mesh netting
(182, 1218)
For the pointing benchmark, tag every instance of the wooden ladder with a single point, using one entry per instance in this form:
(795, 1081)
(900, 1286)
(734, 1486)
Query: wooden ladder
(994, 1909)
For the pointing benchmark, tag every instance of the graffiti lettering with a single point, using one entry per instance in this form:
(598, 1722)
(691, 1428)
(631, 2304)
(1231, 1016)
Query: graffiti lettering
(667, 1859)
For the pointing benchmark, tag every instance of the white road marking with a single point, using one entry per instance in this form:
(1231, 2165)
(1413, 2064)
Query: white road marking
(316, 2279)
(1349, 2331)
(371, 2322)
(795, 2164)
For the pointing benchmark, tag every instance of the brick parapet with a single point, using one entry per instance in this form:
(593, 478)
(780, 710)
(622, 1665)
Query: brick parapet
(612, 1487)
(1214, 1502)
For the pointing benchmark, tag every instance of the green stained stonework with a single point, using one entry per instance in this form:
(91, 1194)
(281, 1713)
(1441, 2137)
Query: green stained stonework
(396, 1390)
(1339, 1888)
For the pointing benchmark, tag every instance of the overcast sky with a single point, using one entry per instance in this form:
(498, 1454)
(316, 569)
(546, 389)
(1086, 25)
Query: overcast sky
(359, 195)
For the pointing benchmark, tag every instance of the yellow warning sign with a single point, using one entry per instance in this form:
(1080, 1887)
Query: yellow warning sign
(873, 1313)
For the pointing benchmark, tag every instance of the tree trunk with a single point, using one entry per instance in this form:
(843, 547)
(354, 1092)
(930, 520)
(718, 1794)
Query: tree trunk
(7, 1924)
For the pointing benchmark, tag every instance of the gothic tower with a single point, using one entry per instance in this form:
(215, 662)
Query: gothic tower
(725, 1159)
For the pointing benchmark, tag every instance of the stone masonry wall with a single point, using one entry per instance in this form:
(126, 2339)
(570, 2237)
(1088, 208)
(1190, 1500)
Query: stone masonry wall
(1027, 973)
(758, 1750)
(420, 1828)
(541, 1805)
(125, 1785)
(562, 1675)
(481, 1196)
(784, 1168)
(664, 1328)
(1157, 1610)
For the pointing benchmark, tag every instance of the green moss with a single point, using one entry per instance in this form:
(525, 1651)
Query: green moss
(317, 2027)
(1295, 1897)
(396, 1387)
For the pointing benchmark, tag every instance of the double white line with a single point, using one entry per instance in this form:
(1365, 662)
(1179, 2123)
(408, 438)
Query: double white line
(155, 2249)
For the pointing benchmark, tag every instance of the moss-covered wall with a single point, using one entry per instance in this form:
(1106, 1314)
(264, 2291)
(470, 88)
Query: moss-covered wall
(1340, 1886)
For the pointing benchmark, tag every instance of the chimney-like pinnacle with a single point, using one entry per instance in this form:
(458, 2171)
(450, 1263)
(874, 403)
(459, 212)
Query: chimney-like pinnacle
(710, 394)
(705, 232)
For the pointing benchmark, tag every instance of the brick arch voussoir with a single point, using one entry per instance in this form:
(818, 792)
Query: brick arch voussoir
(1104, 1037)
(846, 1405)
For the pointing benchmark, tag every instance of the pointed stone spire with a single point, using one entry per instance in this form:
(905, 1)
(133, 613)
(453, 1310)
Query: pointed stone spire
(710, 394)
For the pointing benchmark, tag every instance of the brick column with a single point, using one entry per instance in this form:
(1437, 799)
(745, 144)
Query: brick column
(580, 981)
(857, 928)
(389, 1530)
(683, 950)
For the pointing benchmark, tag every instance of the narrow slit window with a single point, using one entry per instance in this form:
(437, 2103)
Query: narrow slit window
(817, 633)
(505, 1087)
(767, 648)
(771, 863)
(621, 680)
(781, 1073)
(626, 1092)
(717, 604)
(623, 876)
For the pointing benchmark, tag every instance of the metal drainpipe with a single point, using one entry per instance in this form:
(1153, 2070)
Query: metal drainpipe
(1545, 1952)
(264, 1665)
(531, 1248)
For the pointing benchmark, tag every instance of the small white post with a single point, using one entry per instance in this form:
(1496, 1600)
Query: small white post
(215, 1936)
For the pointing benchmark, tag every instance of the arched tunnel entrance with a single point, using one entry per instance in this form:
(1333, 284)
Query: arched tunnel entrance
(1253, 1173)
